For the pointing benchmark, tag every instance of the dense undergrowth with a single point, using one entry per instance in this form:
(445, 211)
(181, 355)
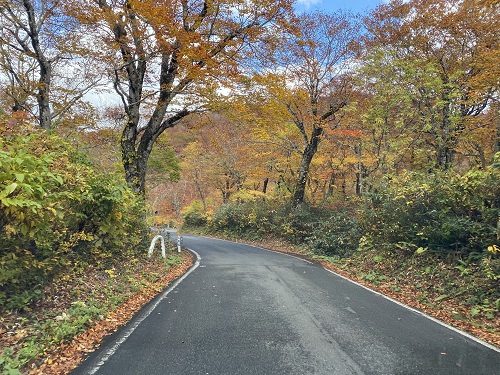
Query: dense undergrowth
(436, 234)
(59, 215)
(38, 339)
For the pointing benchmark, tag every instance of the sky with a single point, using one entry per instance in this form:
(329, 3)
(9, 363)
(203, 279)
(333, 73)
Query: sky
(361, 6)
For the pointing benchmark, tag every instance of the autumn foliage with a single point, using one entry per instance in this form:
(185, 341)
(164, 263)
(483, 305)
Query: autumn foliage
(360, 137)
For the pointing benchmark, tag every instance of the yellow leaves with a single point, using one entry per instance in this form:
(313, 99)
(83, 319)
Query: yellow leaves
(10, 230)
(111, 273)
(494, 249)
(246, 195)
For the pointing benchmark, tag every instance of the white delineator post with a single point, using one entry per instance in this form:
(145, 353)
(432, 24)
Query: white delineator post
(179, 242)
(153, 243)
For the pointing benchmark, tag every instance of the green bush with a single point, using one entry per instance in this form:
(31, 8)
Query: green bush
(327, 232)
(229, 218)
(338, 235)
(57, 213)
(113, 215)
(195, 219)
(445, 213)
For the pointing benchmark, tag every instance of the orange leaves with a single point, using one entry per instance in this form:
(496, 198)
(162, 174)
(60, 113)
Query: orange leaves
(175, 57)
(347, 133)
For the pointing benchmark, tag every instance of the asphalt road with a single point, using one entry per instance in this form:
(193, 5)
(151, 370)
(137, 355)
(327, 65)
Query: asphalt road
(245, 310)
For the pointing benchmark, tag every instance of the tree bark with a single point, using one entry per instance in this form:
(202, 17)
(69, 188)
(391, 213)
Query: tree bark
(496, 146)
(264, 188)
(445, 140)
(44, 82)
(200, 190)
(305, 163)
(134, 43)
(331, 184)
(359, 174)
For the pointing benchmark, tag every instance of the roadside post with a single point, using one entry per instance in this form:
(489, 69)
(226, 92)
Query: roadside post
(153, 243)
(179, 241)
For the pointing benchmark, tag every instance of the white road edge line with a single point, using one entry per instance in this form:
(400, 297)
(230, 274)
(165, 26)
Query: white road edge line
(126, 334)
(469, 336)
(279, 252)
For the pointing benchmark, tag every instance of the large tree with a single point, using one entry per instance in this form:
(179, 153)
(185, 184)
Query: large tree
(45, 65)
(439, 50)
(168, 57)
(311, 81)
(391, 122)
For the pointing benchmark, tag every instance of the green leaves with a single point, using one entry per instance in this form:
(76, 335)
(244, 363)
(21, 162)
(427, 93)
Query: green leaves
(441, 297)
(442, 212)
(56, 212)
(8, 190)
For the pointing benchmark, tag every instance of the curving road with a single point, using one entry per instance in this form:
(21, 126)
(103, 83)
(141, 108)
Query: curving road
(245, 310)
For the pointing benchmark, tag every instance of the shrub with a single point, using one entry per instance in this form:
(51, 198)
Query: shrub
(195, 219)
(338, 235)
(229, 218)
(326, 232)
(447, 213)
(444, 212)
(194, 214)
(57, 213)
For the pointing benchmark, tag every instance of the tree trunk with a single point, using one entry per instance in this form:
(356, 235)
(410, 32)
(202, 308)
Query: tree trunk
(481, 156)
(135, 156)
(200, 190)
(359, 173)
(43, 96)
(331, 185)
(135, 172)
(303, 172)
(446, 141)
(444, 157)
(496, 146)
(44, 82)
(226, 194)
(266, 182)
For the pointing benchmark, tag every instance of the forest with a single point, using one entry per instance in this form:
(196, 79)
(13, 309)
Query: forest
(368, 141)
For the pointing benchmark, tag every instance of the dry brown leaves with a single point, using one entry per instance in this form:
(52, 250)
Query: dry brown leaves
(63, 359)
(445, 314)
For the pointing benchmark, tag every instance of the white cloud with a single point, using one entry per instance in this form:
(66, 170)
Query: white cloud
(308, 3)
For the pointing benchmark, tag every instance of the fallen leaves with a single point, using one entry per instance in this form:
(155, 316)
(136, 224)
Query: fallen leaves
(408, 295)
